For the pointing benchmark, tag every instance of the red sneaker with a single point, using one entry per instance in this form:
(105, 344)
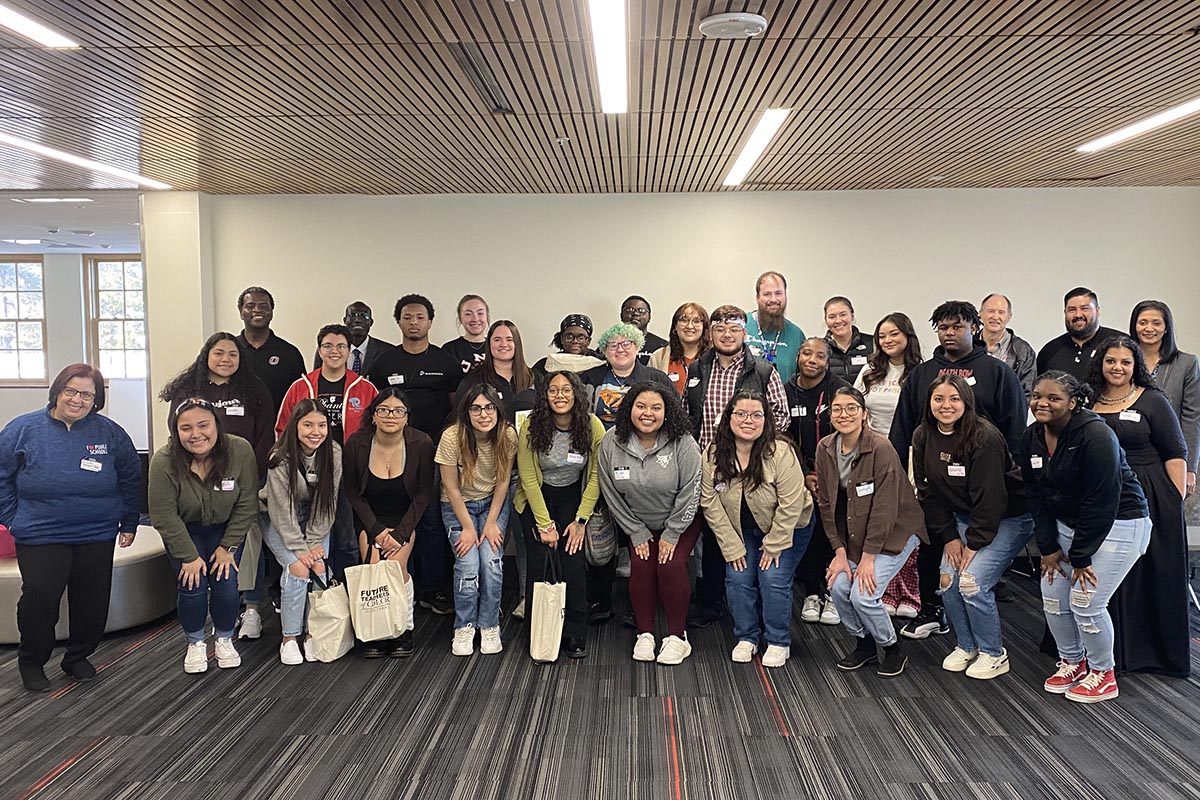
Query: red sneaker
(1097, 687)
(1067, 676)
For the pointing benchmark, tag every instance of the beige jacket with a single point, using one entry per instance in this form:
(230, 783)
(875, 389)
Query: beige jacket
(779, 506)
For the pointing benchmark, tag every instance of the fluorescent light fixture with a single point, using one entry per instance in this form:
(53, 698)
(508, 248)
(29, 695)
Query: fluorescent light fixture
(768, 125)
(611, 46)
(22, 241)
(34, 31)
(79, 161)
(52, 200)
(1138, 128)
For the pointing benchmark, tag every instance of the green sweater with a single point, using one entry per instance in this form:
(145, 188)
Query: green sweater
(529, 493)
(174, 504)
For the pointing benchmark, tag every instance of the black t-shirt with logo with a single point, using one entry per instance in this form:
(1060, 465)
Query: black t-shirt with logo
(278, 363)
(332, 394)
(427, 380)
(469, 355)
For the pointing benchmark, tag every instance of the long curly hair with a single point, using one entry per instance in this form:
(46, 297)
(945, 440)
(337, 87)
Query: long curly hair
(541, 419)
(675, 421)
(192, 380)
(724, 446)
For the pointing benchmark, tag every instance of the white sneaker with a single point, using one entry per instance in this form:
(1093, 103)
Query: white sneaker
(743, 652)
(289, 653)
(489, 641)
(674, 650)
(811, 612)
(889, 608)
(907, 611)
(623, 562)
(987, 667)
(309, 655)
(959, 660)
(227, 655)
(643, 647)
(776, 656)
(829, 613)
(519, 611)
(196, 660)
(464, 641)
(250, 624)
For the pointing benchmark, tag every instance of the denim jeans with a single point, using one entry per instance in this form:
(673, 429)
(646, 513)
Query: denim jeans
(220, 597)
(1079, 620)
(969, 600)
(293, 591)
(764, 594)
(479, 575)
(863, 614)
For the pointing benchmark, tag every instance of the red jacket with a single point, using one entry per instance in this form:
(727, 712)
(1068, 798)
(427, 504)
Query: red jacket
(358, 395)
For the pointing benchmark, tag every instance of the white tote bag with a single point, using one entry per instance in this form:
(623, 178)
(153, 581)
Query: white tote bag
(546, 615)
(378, 605)
(329, 621)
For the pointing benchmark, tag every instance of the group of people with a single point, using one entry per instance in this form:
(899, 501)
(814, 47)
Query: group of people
(894, 489)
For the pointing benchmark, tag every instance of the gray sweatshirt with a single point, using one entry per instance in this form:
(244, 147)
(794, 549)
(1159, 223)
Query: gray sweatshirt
(657, 490)
(284, 509)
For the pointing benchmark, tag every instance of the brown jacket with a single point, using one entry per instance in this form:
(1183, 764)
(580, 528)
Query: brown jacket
(881, 508)
(418, 480)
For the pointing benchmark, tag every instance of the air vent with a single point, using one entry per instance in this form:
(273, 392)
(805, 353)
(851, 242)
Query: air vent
(471, 59)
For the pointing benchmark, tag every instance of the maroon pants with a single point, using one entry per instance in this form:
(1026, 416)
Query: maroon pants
(650, 581)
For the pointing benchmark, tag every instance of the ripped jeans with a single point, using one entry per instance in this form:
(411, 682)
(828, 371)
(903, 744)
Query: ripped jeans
(1080, 622)
(968, 597)
(479, 575)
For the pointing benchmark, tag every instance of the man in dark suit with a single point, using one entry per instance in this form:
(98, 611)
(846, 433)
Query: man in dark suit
(364, 348)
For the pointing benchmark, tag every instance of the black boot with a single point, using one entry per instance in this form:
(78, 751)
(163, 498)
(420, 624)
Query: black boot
(893, 662)
(863, 654)
(34, 678)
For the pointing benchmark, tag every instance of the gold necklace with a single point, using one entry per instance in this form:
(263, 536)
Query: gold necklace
(1112, 401)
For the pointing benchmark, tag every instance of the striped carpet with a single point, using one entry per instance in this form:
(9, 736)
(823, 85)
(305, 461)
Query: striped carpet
(436, 726)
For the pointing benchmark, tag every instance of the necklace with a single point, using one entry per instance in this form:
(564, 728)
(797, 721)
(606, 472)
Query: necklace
(387, 454)
(1112, 401)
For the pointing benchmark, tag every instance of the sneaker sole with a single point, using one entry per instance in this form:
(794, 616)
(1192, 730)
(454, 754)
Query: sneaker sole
(490, 652)
(810, 619)
(1059, 689)
(462, 655)
(957, 667)
(379, 654)
(643, 658)
(190, 670)
(992, 673)
(852, 667)
(1096, 699)
(774, 664)
(250, 635)
(924, 632)
(229, 663)
(291, 663)
(738, 660)
(894, 674)
(672, 663)
(837, 621)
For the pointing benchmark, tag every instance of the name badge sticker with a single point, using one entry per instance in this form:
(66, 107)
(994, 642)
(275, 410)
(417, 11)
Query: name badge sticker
(674, 376)
(721, 487)
(235, 411)
(1131, 416)
(970, 380)
(575, 458)
(91, 465)
(693, 382)
(803, 411)
(620, 473)
(956, 470)
(858, 361)
(1035, 462)
(395, 380)
(228, 485)
(864, 489)
(796, 410)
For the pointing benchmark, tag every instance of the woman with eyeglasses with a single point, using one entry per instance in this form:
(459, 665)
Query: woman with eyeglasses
(70, 483)
(688, 340)
(476, 456)
(556, 459)
(609, 382)
(203, 499)
(388, 474)
(572, 348)
(873, 523)
(755, 501)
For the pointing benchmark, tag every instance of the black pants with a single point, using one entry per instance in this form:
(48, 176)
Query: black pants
(811, 572)
(929, 571)
(48, 569)
(710, 587)
(562, 502)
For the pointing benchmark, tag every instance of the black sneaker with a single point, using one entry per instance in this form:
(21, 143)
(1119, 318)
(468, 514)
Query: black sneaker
(438, 603)
(932, 619)
(1003, 593)
(893, 662)
(598, 614)
(575, 648)
(703, 617)
(81, 670)
(862, 654)
(629, 620)
(402, 646)
(34, 678)
(374, 650)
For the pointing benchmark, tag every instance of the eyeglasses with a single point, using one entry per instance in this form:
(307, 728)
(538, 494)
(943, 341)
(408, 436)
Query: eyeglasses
(635, 312)
(555, 391)
(386, 412)
(359, 315)
(623, 345)
(730, 327)
(685, 321)
(72, 392)
(576, 337)
(847, 410)
(754, 416)
(477, 411)
(328, 347)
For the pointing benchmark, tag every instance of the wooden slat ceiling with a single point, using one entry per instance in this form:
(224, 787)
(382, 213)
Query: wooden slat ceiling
(367, 96)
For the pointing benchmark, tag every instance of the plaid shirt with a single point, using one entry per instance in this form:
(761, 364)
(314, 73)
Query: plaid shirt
(722, 383)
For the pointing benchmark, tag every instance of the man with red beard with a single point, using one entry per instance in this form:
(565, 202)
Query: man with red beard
(770, 335)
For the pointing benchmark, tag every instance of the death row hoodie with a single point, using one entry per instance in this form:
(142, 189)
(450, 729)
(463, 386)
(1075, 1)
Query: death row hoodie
(999, 397)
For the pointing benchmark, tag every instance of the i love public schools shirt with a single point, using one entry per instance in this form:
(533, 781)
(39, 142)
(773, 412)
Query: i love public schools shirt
(427, 379)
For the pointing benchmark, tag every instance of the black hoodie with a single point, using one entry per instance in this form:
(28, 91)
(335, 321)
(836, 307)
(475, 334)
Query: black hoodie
(999, 397)
(1086, 483)
(808, 410)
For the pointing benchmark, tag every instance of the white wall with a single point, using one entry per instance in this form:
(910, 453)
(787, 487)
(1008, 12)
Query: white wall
(536, 258)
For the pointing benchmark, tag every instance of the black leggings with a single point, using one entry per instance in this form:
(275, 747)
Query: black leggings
(562, 502)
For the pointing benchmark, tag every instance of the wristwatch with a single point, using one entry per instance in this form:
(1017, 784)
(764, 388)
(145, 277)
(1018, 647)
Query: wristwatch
(581, 520)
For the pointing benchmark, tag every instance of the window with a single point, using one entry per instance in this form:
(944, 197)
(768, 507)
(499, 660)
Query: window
(117, 315)
(22, 321)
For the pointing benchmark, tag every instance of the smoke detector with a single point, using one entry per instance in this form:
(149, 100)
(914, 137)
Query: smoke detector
(734, 25)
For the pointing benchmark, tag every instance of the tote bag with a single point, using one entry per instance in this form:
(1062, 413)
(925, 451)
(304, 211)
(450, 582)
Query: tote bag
(546, 615)
(329, 620)
(600, 540)
(379, 608)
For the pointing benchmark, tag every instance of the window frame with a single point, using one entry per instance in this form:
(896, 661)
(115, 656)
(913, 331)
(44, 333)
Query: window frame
(91, 288)
(35, 383)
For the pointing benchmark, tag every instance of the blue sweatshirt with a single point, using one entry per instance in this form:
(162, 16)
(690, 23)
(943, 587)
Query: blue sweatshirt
(60, 486)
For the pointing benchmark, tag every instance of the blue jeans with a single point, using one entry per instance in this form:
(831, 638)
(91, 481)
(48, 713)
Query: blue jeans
(479, 575)
(1079, 620)
(862, 614)
(220, 597)
(969, 599)
(293, 591)
(767, 594)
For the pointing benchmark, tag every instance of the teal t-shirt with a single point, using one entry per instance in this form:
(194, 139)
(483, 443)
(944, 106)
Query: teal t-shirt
(780, 349)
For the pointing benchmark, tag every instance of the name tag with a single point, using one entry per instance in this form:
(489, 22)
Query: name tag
(722, 486)
(1035, 462)
(228, 485)
(1131, 416)
(970, 380)
(693, 382)
(395, 380)
(91, 465)
(797, 411)
(575, 458)
(674, 376)
(235, 411)
(956, 470)
(311, 477)
(620, 473)
(864, 489)
(858, 361)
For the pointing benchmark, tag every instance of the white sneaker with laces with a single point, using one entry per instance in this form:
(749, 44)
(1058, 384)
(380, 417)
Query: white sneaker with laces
(811, 611)
(743, 652)
(464, 641)
(289, 653)
(959, 660)
(196, 659)
(227, 654)
(309, 655)
(250, 625)
(674, 650)
(623, 562)
(829, 613)
(776, 656)
(519, 611)
(643, 647)
(987, 667)
(489, 641)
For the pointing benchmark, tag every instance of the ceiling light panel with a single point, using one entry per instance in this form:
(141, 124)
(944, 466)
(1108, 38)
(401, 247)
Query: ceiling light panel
(610, 45)
(33, 30)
